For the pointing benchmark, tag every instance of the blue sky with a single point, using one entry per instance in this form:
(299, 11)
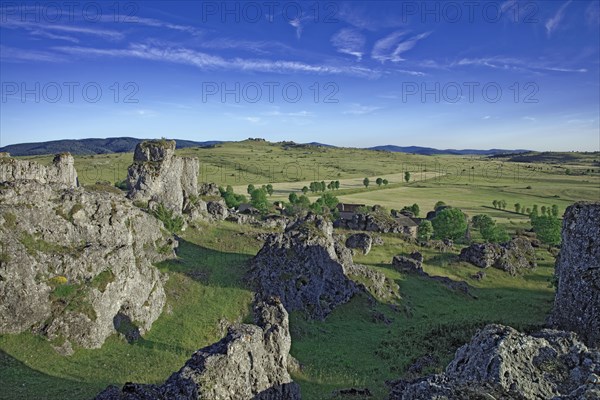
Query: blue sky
(480, 74)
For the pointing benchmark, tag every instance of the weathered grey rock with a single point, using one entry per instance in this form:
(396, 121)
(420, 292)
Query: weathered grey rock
(208, 189)
(360, 241)
(249, 363)
(61, 171)
(577, 303)
(409, 265)
(302, 268)
(158, 175)
(513, 256)
(376, 222)
(217, 209)
(72, 259)
(502, 363)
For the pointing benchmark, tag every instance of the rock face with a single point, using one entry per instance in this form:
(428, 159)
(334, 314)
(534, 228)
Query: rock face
(412, 264)
(577, 303)
(159, 176)
(301, 267)
(379, 223)
(249, 363)
(61, 171)
(513, 256)
(360, 241)
(73, 260)
(502, 363)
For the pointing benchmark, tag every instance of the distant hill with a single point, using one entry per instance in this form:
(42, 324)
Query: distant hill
(89, 146)
(432, 151)
(553, 157)
(127, 144)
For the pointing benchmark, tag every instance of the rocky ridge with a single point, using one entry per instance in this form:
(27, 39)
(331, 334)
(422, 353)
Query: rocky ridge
(74, 259)
(249, 363)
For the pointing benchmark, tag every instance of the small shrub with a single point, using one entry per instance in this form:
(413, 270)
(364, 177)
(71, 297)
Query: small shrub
(58, 280)
(172, 223)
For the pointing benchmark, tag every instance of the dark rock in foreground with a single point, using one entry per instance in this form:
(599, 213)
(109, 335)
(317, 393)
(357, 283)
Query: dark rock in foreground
(302, 268)
(577, 303)
(502, 363)
(249, 363)
(360, 241)
(513, 256)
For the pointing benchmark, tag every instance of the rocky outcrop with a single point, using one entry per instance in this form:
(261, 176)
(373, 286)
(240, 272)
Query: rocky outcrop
(513, 256)
(411, 265)
(502, 363)
(360, 241)
(301, 267)
(157, 175)
(249, 363)
(577, 303)
(73, 260)
(61, 171)
(379, 223)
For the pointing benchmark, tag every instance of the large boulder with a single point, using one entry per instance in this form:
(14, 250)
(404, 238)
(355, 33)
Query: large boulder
(513, 256)
(61, 171)
(159, 176)
(577, 303)
(73, 260)
(502, 363)
(410, 265)
(302, 268)
(360, 241)
(249, 363)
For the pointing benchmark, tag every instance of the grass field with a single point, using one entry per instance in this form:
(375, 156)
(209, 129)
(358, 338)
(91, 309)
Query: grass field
(350, 348)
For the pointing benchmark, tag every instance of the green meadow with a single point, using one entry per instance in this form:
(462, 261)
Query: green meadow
(206, 289)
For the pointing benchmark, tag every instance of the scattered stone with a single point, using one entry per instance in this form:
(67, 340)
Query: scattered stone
(158, 175)
(249, 363)
(502, 363)
(360, 241)
(513, 256)
(378, 241)
(421, 363)
(208, 189)
(217, 209)
(352, 392)
(577, 303)
(408, 265)
(479, 276)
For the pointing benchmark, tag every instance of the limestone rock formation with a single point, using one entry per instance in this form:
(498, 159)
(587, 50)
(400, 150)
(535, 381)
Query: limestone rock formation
(249, 363)
(74, 259)
(577, 303)
(302, 268)
(360, 241)
(412, 264)
(159, 176)
(513, 256)
(61, 171)
(502, 363)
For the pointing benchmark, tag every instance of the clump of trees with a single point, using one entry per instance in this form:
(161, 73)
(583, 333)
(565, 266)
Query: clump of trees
(324, 205)
(547, 228)
(425, 230)
(490, 232)
(500, 204)
(232, 200)
(316, 187)
(414, 209)
(449, 223)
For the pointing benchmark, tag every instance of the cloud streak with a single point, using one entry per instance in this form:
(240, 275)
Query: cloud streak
(391, 47)
(349, 41)
(553, 23)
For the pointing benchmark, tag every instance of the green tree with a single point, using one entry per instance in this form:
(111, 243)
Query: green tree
(293, 198)
(313, 187)
(366, 182)
(554, 210)
(269, 189)
(518, 207)
(543, 210)
(323, 186)
(415, 209)
(450, 223)
(385, 182)
(259, 199)
(547, 228)
(481, 221)
(379, 181)
(324, 204)
(305, 189)
(495, 203)
(337, 184)
(425, 230)
(407, 176)
(488, 229)
(503, 204)
(438, 205)
(250, 188)
(534, 210)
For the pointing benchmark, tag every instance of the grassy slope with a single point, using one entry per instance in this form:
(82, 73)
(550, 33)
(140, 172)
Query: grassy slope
(348, 349)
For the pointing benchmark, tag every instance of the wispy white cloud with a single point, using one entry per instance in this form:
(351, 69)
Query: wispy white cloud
(298, 24)
(509, 63)
(553, 23)
(369, 18)
(50, 35)
(487, 117)
(528, 118)
(154, 23)
(181, 55)
(592, 14)
(254, 120)
(11, 54)
(296, 114)
(392, 46)
(359, 109)
(349, 41)
(13, 23)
